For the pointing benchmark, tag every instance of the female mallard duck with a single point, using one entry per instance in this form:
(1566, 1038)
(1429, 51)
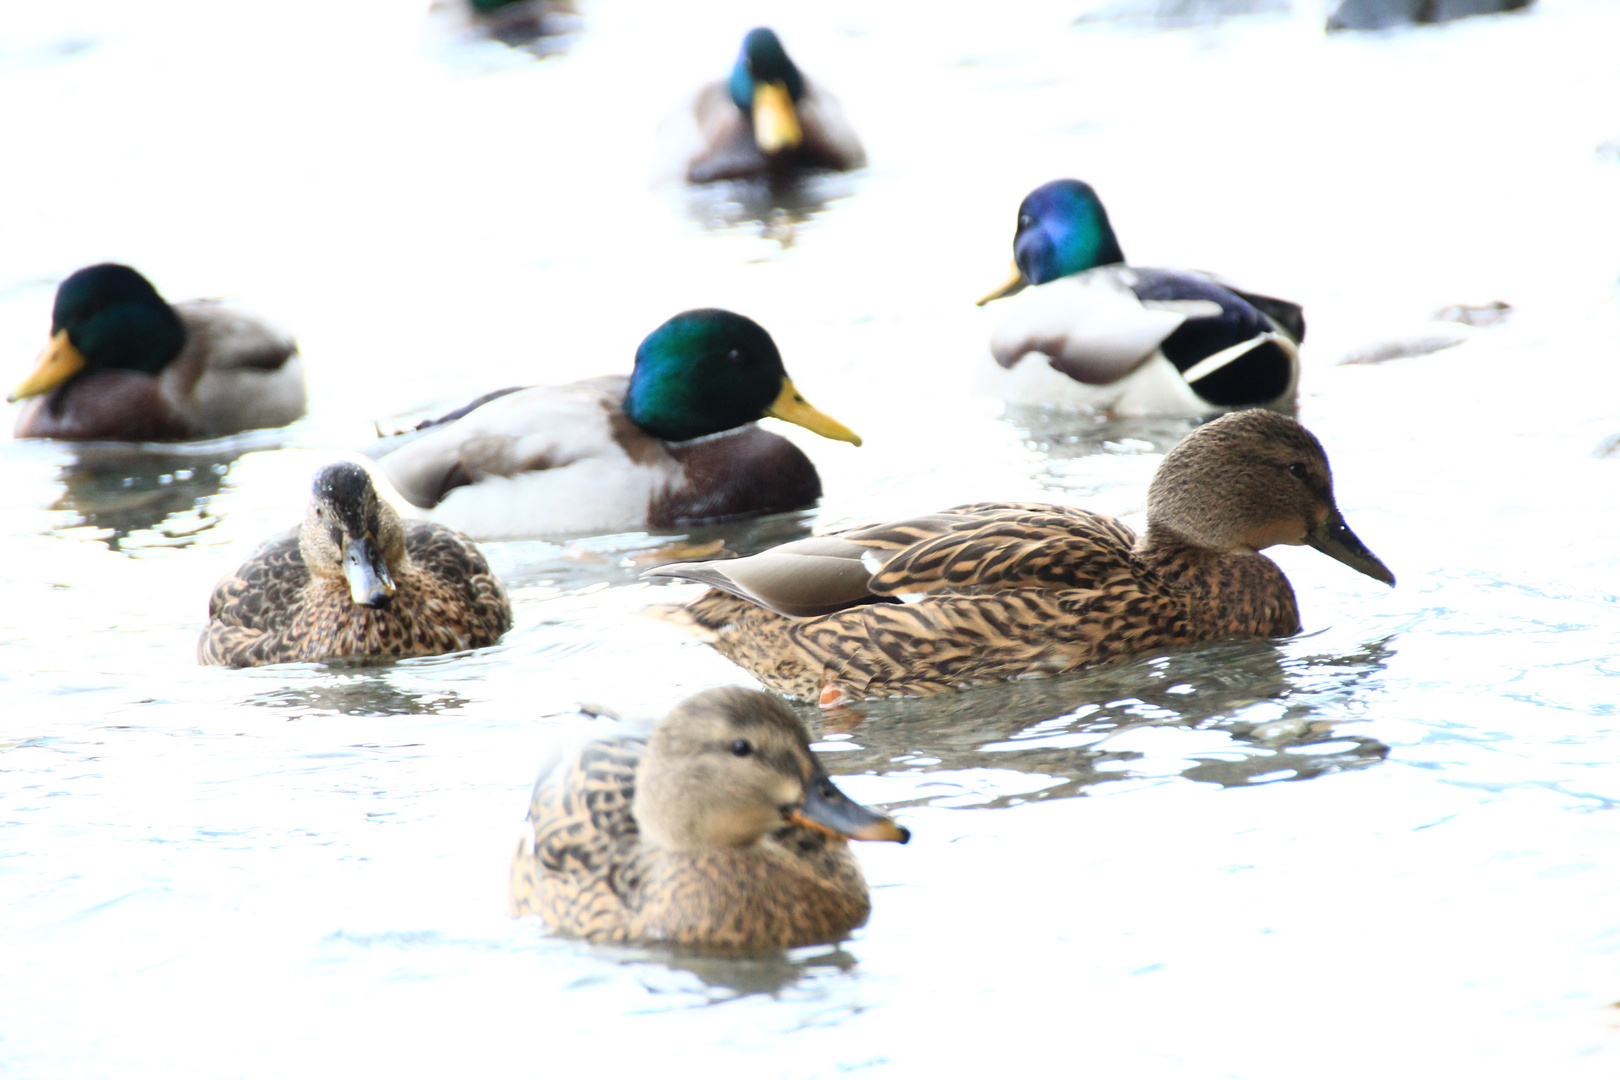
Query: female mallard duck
(720, 829)
(625, 452)
(123, 364)
(765, 119)
(354, 582)
(1001, 590)
(1098, 334)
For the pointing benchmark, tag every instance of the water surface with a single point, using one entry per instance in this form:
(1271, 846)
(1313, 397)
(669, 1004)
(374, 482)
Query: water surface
(1383, 845)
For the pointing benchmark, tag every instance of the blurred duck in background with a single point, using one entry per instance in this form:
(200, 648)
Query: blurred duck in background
(356, 583)
(122, 364)
(1094, 333)
(718, 829)
(765, 120)
(673, 443)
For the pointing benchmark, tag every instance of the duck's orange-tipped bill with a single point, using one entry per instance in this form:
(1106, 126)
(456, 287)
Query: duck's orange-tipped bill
(1334, 539)
(776, 121)
(828, 810)
(58, 363)
(1015, 283)
(791, 406)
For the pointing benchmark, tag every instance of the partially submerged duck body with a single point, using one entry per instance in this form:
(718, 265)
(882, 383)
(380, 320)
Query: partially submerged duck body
(672, 444)
(764, 120)
(718, 829)
(124, 365)
(992, 591)
(1094, 333)
(356, 583)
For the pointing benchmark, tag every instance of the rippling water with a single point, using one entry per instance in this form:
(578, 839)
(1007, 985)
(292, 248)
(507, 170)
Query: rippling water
(1383, 845)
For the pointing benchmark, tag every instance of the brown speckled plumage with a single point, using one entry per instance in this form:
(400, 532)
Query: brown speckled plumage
(1002, 590)
(701, 854)
(291, 602)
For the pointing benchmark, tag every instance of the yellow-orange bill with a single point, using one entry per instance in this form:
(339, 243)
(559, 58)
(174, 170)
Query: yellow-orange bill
(1013, 284)
(791, 406)
(58, 362)
(776, 121)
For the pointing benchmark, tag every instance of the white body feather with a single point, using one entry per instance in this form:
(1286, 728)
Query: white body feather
(544, 461)
(232, 394)
(1095, 317)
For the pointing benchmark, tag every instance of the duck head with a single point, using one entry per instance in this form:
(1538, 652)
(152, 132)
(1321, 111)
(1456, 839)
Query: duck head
(766, 85)
(351, 533)
(1062, 230)
(708, 371)
(729, 766)
(106, 317)
(1251, 479)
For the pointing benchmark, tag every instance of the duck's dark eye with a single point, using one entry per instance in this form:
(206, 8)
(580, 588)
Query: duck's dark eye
(735, 356)
(742, 747)
(1025, 221)
(1298, 469)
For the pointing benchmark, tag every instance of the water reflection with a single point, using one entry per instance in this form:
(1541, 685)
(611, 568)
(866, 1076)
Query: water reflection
(1065, 435)
(137, 496)
(620, 559)
(777, 205)
(1273, 717)
(358, 695)
(728, 978)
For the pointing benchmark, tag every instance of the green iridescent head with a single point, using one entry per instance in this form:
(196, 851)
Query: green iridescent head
(763, 60)
(1062, 230)
(106, 318)
(708, 371)
(116, 318)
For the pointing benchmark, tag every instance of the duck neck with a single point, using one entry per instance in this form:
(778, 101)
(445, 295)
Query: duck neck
(1233, 593)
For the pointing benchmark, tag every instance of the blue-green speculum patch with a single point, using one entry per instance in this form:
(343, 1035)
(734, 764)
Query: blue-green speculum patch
(1062, 230)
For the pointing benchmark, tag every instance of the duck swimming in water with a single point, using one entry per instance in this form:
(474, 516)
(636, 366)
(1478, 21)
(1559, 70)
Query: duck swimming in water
(122, 364)
(674, 443)
(1097, 334)
(765, 119)
(354, 582)
(719, 829)
(992, 591)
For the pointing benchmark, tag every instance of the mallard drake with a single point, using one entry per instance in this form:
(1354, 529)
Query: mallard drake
(1098, 334)
(354, 582)
(123, 364)
(671, 444)
(993, 591)
(719, 829)
(765, 119)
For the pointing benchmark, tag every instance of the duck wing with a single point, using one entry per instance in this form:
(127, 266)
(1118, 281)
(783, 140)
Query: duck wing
(247, 611)
(1230, 352)
(574, 865)
(974, 548)
(231, 340)
(1091, 326)
(510, 433)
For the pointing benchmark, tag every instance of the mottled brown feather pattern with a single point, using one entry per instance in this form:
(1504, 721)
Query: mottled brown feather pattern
(273, 610)
(1013, 590)
(586, 867)
(994, 591)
